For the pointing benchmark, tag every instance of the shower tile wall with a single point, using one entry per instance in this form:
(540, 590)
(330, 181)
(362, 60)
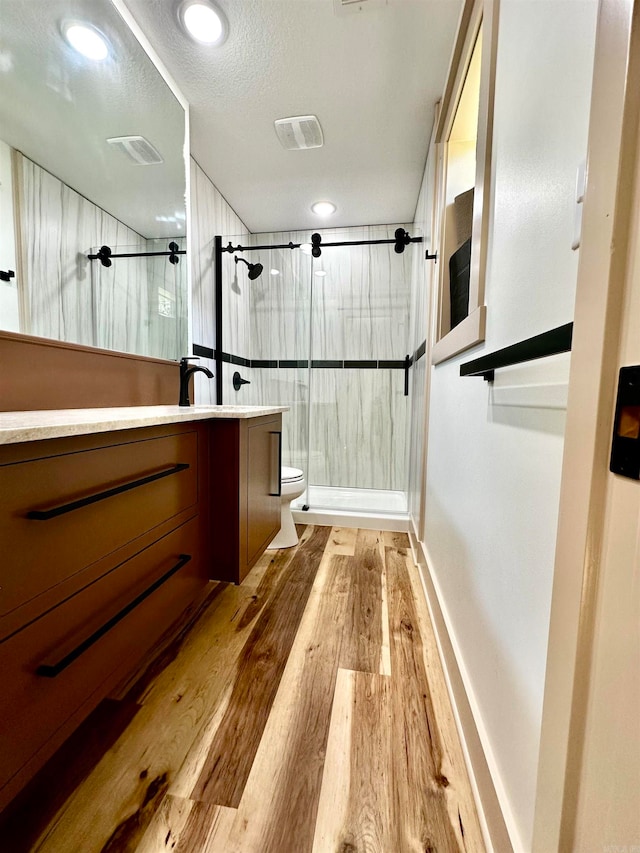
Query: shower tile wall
(361, 305)
(358, 429)
(211, 215)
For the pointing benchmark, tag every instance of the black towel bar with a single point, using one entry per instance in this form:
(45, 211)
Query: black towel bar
(548, 343)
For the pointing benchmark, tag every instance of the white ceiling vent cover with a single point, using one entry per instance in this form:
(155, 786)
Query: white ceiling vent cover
(299, 132)
(138, 149)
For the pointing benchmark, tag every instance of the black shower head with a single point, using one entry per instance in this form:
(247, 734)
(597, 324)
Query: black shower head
(255, 270)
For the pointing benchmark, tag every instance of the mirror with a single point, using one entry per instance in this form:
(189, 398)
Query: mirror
(75, 176)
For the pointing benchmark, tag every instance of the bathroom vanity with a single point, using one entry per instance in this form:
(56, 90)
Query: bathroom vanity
(112, 521)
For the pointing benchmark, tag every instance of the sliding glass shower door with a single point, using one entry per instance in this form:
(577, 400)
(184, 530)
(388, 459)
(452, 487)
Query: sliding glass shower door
(326, 337)
(358, 409)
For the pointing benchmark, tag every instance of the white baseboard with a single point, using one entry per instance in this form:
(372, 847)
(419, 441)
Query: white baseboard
(497, 824)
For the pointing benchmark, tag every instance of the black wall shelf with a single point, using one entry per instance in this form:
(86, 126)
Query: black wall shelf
(540, 346)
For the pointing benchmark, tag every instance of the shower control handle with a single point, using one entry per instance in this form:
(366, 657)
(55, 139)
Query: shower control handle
(238, 381)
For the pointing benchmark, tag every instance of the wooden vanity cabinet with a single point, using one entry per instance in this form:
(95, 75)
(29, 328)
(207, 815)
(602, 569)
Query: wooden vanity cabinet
(106, 539)
(105, 543)
(245, 464)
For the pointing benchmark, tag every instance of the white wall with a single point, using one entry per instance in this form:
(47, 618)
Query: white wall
(493, 465)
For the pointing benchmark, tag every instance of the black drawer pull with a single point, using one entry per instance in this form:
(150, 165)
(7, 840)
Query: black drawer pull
(51, 670)
(45, 514)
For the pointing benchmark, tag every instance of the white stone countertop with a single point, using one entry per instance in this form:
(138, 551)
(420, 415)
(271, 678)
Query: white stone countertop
(56, 423)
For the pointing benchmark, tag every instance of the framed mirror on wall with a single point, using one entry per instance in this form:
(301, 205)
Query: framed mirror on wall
(461, 209)
(92, 154)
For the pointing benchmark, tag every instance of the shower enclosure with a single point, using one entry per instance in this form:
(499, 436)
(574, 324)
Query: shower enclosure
(326, 336)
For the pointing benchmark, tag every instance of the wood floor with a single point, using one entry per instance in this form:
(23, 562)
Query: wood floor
(304, 711)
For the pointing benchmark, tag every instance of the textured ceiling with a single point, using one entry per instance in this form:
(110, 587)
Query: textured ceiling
(372, 77)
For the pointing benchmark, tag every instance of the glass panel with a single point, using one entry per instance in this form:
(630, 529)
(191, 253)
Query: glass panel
(358, 440)
(266, 320)
(348, 421)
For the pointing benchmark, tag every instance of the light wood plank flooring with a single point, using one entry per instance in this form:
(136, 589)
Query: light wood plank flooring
(302, 712)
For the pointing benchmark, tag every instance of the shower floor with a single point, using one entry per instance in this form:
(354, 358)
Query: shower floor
(353, 500)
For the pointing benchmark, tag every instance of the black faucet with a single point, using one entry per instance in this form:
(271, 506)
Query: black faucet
(186, 371)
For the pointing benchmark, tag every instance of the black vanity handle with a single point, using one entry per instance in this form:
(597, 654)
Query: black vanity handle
(276, 476)
(7, 275)
(45, 514)
(51, 670)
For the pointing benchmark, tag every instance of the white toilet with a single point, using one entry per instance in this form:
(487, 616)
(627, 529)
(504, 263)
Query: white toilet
(292, 486)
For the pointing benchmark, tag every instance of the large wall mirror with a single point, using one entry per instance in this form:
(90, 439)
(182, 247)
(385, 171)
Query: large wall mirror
(91, 155)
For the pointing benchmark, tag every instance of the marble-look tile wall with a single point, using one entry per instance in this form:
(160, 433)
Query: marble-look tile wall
(361, 305)
(280, 299)
(211, 215)
(358, 429)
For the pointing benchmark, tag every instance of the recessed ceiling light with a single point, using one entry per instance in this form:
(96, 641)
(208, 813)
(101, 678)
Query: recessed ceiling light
(86, 39)
(274, 272)
(323, 208)
(321, 273)
(203, 21)
(306, 248)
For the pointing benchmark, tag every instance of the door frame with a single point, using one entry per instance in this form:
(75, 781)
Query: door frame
(615, 108)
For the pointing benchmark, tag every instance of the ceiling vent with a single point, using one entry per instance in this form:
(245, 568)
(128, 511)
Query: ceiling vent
(344, 7)
(299, 132)
(138, 149)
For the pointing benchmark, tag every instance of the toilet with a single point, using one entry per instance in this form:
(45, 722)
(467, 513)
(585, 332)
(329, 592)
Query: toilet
(292, 486)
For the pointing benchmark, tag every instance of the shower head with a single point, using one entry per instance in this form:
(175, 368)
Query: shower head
(255, 270)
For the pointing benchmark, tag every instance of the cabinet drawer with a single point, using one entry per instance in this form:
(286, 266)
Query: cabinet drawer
(62, 513)
(86, 645)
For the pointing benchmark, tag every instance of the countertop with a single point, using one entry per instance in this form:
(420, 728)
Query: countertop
(56, 423)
